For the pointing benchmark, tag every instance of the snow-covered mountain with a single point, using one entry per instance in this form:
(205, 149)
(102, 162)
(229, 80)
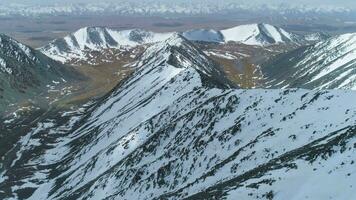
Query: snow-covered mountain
(25, 72)
(330, 64)
(79, 44)
(258, 34)
(249, 34)
(177, 129)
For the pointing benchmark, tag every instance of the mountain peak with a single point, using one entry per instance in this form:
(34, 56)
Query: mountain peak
(258, 34)
(176, 39)
(74, 46)
(178, 52)
(92, 38)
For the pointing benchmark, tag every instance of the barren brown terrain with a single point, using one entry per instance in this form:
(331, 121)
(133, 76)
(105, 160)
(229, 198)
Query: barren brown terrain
(241, 62)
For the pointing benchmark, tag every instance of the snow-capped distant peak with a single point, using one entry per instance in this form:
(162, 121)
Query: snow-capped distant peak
(249, 34)
(257, 34)
(74, 45)
(92, 37)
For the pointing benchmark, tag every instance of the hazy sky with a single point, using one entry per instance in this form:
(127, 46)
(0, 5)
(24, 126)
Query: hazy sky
(343, 3)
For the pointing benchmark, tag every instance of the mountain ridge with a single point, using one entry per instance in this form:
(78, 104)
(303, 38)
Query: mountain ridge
(258, 34)
(74, 45)
(164, 134)
(152, 8)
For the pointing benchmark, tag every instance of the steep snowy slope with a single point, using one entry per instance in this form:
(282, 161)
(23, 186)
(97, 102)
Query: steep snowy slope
(78, 44)
(176, 129)
(329, 64)
(25, 72)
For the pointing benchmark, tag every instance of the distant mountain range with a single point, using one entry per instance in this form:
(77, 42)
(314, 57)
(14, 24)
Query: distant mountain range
(155, 8)
(78, 44)
(303, 61)
(327, 64)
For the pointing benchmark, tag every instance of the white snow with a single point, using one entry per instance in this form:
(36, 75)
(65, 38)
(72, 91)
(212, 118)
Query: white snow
(225, 55)
(339, 62)
(4, 67)
(245, 34)
(81, 41)
(250, 34)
